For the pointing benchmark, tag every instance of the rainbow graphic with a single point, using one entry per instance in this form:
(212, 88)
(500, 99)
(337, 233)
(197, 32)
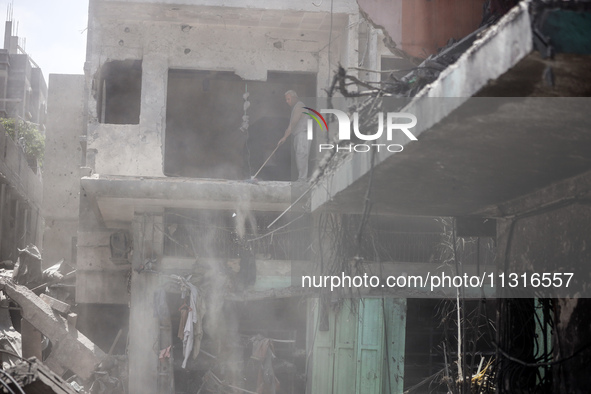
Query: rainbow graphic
(316, 117)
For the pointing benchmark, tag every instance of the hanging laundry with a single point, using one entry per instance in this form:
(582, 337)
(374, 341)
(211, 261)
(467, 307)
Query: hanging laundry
(164, 353)
(193, 332)
(184, 310)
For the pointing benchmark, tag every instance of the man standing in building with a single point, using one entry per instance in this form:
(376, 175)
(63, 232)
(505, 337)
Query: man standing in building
(297, 128)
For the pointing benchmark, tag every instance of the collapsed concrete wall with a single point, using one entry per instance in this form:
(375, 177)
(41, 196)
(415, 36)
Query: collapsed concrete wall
(71, 350)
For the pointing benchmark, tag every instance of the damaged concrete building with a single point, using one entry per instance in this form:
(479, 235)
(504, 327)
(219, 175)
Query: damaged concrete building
(162, 203)
(23, 93)
(198, 266)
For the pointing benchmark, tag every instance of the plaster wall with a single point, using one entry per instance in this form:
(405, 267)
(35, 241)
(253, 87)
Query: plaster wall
(65, 124)
(94, 251)
(99, 280)
(102, 287)
(61, 171)
(58, 240)
(420, 27)
(249, 51)
(124, 150)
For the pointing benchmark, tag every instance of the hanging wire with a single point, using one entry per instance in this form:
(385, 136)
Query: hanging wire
(13, 381)
(3, 383)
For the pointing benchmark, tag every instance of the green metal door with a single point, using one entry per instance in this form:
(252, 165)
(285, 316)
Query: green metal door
(363, 350)
(345, 359)
(370, 341)
(395, 339)
(321, 368)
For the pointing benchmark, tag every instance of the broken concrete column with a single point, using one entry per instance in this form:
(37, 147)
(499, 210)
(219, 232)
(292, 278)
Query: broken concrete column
(324, 75)
(143, 333)
(153, 113)
(373, 58)
(144, 328)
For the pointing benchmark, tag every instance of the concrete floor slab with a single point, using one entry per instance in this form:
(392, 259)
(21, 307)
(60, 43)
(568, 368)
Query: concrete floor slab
(475, 152)
(118, 197)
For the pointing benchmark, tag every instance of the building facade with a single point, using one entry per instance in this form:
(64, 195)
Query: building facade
(23, 96)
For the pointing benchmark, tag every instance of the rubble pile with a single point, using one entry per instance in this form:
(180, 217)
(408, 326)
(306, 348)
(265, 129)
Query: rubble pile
(38, 304)
(32, 376)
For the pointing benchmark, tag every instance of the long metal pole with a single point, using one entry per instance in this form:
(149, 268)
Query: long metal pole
(271, 155)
